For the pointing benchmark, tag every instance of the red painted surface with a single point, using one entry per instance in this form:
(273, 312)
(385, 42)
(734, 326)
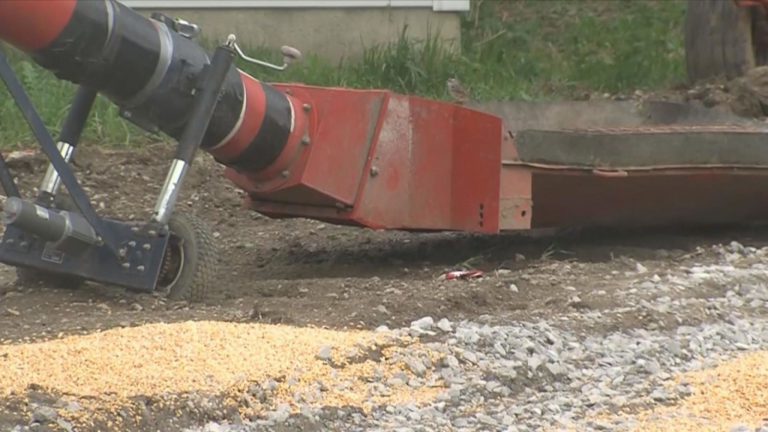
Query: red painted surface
(388, 161)
(656, 197)
(751, 3)
(477, 140)
(32, 25)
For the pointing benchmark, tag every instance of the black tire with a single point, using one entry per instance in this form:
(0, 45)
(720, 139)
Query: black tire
(193, 260)
(718, 40)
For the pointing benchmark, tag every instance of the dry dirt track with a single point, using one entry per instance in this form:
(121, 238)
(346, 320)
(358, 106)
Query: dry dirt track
(306, 274)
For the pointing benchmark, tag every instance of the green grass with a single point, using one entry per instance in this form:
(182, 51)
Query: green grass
(52, 98)
(511, 50)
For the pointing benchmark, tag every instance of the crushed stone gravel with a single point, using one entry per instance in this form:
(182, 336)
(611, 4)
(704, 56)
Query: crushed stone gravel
(549, 375)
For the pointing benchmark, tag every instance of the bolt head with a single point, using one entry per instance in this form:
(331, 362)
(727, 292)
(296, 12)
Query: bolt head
(374, 171)
(285, 173)
(307, 107)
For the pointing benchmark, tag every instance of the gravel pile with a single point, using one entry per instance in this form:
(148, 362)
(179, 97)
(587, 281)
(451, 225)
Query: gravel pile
(528, 376)
(533, 376)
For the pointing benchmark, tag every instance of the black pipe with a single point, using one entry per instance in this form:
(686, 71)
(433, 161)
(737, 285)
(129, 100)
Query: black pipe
(150, 71)
(68, 231)
(142, 65)
(33, 218)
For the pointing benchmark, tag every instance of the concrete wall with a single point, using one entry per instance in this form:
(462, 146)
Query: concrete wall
(329, 33)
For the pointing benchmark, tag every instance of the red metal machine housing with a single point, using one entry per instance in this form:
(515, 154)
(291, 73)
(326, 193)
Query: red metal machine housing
(388, 161)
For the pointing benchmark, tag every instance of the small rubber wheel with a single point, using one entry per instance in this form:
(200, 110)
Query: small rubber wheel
(190, 261)
(28, 277)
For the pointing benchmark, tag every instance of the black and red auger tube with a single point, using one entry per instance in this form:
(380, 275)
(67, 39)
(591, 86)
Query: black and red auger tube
(152, 72)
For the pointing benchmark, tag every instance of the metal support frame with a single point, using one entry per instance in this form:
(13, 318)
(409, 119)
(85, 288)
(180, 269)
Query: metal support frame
(205, 103)
(51, 151)
(6, 179)
(117, 253)
(68, 139)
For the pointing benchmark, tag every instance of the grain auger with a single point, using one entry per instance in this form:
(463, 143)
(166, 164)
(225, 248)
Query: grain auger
(365, 158)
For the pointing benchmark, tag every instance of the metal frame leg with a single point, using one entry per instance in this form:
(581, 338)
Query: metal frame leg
(48, 146)
(205, 103)
(70, 135)
(70, 243)
(6, 179)
(81, 242)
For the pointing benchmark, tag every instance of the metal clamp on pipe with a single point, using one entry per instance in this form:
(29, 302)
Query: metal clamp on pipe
(69, 232)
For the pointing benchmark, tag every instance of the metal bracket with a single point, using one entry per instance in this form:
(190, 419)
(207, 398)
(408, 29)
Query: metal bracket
(186, 28)
(290, 55)
(182, 27)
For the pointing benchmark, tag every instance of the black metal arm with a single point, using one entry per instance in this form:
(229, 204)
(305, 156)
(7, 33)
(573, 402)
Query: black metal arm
(49, 148)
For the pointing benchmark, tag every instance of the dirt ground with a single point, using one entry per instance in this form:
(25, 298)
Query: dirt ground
(307, 273)
(304, 272)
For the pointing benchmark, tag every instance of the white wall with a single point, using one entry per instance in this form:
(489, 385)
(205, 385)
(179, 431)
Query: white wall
(314, 26)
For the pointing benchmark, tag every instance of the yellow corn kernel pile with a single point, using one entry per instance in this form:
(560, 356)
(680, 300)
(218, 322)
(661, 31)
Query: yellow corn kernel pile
(104, 369)
(731, 394)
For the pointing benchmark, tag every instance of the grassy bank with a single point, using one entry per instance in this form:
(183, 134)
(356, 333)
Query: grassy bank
(511, 50)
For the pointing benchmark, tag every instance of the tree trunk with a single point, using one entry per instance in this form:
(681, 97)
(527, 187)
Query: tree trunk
(718, 40)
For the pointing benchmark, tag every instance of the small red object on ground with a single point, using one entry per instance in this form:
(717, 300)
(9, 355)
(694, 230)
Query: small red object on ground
(463, 274)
